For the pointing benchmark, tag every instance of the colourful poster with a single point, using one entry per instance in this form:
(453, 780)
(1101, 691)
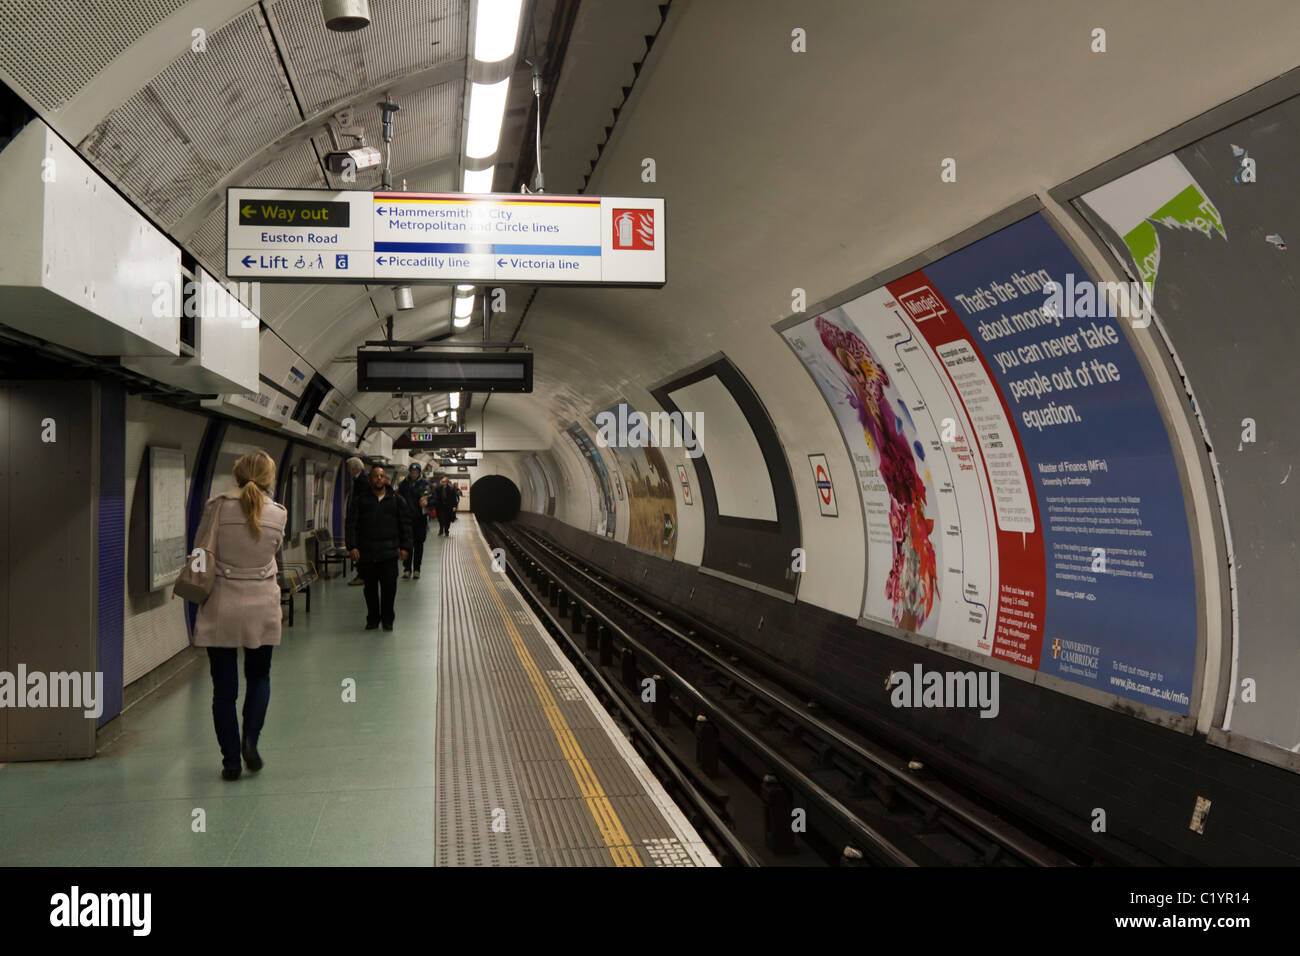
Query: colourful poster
(928, 569)
(1020, 492)
(652, 506)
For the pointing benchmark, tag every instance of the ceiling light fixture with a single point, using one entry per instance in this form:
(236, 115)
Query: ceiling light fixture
(453, 399)
(496, 29)
(487, 107)
(463, 309)
(345, 16)
(478, 180)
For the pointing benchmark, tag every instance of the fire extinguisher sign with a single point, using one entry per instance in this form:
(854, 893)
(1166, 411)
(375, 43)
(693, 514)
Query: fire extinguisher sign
(634, 228)
(632, 240)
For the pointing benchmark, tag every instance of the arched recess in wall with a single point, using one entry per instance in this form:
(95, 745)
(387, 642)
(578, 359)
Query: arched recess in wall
(751, 518)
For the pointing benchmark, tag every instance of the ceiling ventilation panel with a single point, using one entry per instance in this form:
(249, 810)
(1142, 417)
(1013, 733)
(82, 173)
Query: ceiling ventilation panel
(404, 36)
(204, 115)
(208, 244)
(50, 49)
(296, 167)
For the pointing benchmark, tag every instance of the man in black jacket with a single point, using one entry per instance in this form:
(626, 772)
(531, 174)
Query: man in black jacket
(415, 491)
(360, 486)
(378, 535)
(446, 497)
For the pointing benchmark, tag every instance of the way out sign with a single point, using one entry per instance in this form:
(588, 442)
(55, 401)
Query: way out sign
(355, 236)
(825, 489)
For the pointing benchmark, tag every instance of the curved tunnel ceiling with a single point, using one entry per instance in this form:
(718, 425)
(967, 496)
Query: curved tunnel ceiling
(774, 180)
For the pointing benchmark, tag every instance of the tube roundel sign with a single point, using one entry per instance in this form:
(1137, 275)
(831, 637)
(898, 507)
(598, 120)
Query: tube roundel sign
(822, 482)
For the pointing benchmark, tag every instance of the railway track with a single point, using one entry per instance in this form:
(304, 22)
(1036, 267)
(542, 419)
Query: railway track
(765, 774)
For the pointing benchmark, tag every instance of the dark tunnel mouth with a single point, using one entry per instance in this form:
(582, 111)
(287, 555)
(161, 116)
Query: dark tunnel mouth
(495, 498)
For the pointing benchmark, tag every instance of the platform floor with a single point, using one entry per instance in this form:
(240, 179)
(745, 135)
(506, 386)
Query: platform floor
(530, 769)
(406, 775)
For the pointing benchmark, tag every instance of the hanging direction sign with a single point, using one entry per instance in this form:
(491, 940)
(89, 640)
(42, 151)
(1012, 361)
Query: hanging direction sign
(310, 235)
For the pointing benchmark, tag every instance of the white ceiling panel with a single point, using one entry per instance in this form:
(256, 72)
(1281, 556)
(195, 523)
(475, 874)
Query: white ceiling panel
(205, 114)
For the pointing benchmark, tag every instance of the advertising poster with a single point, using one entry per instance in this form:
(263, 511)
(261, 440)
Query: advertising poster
(605, 523)
(309, 494)
(652, 506)
(1029, 506)
(1210, 231)
(166, 515)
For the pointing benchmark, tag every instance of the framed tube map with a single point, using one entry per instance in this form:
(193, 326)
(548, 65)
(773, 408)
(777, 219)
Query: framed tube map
(1020, 494)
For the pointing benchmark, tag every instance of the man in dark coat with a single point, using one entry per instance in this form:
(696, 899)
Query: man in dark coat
(447, 498)
(415, 491)
(378, 535)
(360, 486)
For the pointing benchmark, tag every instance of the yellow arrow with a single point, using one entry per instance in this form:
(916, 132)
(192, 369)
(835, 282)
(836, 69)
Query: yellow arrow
(249, 211)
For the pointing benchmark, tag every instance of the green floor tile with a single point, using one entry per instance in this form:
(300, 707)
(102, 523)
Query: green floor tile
(345, 784)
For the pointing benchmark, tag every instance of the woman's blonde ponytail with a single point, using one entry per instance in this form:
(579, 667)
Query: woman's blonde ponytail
(255, 474)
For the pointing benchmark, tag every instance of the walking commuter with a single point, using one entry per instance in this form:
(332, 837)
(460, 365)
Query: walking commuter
(243, 607)
(446, 499)
(360, 485)
(415, 491)
(378, 535)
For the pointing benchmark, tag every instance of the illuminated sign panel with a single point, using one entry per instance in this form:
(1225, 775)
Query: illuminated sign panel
(317, 235)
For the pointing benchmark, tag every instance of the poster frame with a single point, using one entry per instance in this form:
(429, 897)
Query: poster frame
(1088, 258)
(1259, 99)
(159, 578)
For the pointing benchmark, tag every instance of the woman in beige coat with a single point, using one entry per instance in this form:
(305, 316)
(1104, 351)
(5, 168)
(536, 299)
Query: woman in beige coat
(243, 608)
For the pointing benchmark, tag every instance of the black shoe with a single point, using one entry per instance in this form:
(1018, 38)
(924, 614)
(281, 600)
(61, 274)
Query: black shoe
(230, 773)
(372, 627)
(252, 759)
(388, 627)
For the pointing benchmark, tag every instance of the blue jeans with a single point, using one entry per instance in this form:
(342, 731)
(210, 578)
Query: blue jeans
(224, 664)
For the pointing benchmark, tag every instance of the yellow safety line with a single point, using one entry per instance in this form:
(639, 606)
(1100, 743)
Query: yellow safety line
(607, 821)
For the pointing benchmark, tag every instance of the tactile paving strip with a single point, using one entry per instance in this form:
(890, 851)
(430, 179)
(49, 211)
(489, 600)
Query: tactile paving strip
(587, 798)
(479, 817)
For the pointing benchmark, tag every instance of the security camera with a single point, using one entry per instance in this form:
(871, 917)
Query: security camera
(353, 160)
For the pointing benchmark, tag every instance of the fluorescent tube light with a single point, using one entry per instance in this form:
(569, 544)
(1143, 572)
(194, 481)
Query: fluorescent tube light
(496, 29)
(487, 106)
(478, 180)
